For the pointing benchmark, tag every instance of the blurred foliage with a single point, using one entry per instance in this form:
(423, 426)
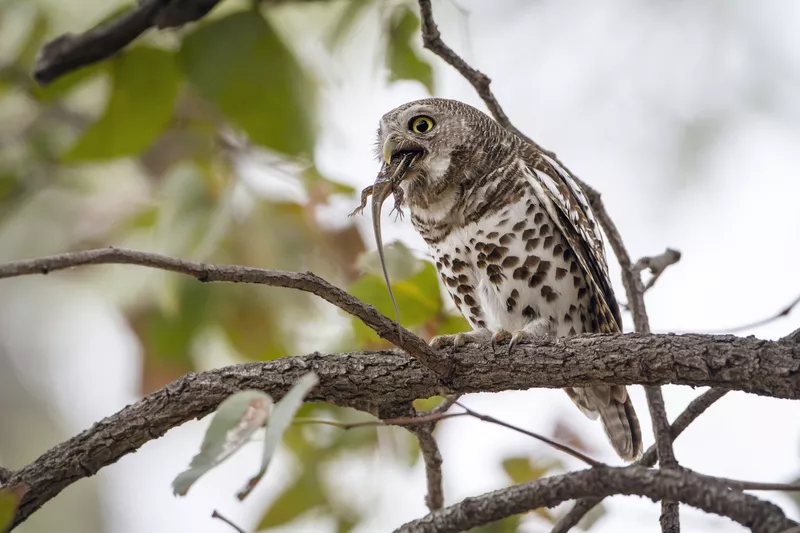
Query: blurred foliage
(9, 499)
(200, 143)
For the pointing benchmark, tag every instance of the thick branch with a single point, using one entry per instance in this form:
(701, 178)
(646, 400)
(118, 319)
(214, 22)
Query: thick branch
(385, 382)
(680, 486)
(303, 281)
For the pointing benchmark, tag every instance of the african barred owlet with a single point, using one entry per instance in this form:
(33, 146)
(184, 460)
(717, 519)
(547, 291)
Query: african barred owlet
(513, 238)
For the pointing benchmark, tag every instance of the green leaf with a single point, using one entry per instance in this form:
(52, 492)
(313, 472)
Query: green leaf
(300, 497)
(145, 84)
(425, 405)
(9, 500)
(279, 421)
(400, 262)
(522, 470)
(234, 422)
(452, 324)
(418, 298)
(507, 525)
(240, 63)
(402, 59)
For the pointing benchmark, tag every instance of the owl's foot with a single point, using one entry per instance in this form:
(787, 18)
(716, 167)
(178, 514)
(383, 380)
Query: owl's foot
(478, 336)
(536, 330)
(499, 335)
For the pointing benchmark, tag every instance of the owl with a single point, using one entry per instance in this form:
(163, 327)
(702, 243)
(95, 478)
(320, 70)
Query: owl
(513, 238)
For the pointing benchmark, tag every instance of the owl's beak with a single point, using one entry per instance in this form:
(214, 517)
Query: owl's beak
(390, 146)
(394, 145)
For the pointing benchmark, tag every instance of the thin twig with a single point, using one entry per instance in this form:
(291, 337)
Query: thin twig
(216, 514)
(739, 484)
(695, 408)
(764, 321)
(403, 422)
(432, 457)
(557, 445)
(632, 282)
(303, 281)
(656, 264)
(432, 40)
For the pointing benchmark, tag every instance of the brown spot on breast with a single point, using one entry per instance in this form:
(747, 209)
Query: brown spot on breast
(446, 260)
(496, 275)
(544, 229)
(548, 242)
(560, 273)
(538, 218)
(481, 324)
(572, 331)
(576, 281)
(457, 300)
(502, 222)
(567, 318)
(459, 265)
(557, 249)
(581, 293)
(532, 244)
(479, 246)
(507, 238)
(519, 225)
(469, 300)
(548, 293)
(511, 303)
(567, 254)
(481, 263)
(529, 233)
(464, 289)
(531, 209)
(497, 254)
(521, 273)
(463, 278)
(537, 279)
(573, 267)
(544, 266)
(492, 235)
(452, 282)
(510, 261)
(475, 311)
(529, 312)
(531, 261)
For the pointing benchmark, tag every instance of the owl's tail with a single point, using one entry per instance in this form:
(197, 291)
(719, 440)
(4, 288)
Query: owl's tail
(615, 410)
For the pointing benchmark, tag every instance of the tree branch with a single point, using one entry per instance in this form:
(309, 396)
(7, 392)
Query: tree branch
(70, 52)
(695, 408)
(385, 382)
(306, 281)
(706, 494)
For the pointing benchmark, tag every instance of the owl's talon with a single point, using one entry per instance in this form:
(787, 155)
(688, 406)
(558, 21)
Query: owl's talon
(479, 336)
(500, 335)
(516, 337)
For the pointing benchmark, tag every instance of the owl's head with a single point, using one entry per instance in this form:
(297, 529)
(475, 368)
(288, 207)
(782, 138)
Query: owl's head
(450, 139)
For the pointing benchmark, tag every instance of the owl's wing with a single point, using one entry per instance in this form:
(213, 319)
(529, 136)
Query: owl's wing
(568, 206)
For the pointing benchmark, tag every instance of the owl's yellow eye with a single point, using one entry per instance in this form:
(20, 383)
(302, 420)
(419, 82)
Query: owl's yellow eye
(421, 124)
